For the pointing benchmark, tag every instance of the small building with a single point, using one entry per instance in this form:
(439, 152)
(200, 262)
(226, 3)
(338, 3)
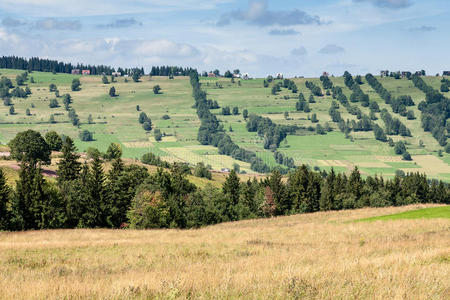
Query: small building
(212, 75)
(75, 71)
(279, 76)
(384, 73)
(116, 74)
(225, 170)
(446, 73)
(236, 75)
(86, 72)
(406, 74)
(246, 76)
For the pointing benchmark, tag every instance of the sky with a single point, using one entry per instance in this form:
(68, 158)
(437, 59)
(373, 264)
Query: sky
(261, 37)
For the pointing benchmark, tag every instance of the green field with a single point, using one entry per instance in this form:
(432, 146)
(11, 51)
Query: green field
(426, 213)
(116, 120)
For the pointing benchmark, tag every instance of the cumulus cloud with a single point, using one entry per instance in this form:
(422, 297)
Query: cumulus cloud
(299, 51)
(121, 23)
(161, 48)
(258, 14)
(392, 4)
(331, 49)
(283, 32)
(423, 28)
(11, 22)
(57, 24)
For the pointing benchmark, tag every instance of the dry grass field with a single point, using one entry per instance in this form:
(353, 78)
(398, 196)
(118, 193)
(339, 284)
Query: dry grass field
(311, 256)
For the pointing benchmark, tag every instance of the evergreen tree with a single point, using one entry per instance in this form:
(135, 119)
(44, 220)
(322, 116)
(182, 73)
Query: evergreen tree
(68, 167)
(231, 189)
(4, 200)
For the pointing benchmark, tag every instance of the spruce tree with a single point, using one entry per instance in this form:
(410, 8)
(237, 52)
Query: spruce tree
(96, 206)
(68, 167)
(231, 189)
(4, 199)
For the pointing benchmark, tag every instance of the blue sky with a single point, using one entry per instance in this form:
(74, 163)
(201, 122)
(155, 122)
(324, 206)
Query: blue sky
(295, 37)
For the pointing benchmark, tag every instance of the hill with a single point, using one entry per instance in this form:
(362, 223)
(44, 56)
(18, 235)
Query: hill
(313, 256)
(116, 120)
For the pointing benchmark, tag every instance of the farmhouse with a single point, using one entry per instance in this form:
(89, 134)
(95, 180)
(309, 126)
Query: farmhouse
(75, 71)
(212, 75)
(236, 75)
(225, 170)
(116, 74)
(279, 76)
(384, 73)
(446, 73)
(246, 76)
(86, 72)
(406, 74)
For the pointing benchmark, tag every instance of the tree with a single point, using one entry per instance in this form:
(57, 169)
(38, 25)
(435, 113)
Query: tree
(245, 113)
(52, 87)
(314, 118)
(53, 140)
(136, 75)
(235, 110)
(90, 119)
(11, 110)
(86, 136)
(96, 206)
(138, 108)
(158, 135)
(30, 147)
(156, 89)
(53, 103)
(51, 120)
(231, 189)
(27, 112)
(4, 202)
(112, 92)
(76, 85)
(143, 117)
(114, 151)
(147, 126)
(105, 79)
(68, 167)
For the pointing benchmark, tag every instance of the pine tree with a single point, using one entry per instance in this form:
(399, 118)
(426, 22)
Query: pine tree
(68, 167)
(4, 199)
(97, 205)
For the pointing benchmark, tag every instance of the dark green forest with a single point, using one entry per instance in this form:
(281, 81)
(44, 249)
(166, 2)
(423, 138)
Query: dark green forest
(85, 196)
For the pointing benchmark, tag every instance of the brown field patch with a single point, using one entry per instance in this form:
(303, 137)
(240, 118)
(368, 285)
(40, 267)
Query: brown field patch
(431, 164)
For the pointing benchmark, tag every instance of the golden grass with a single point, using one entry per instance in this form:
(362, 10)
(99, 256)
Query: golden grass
(320, 256)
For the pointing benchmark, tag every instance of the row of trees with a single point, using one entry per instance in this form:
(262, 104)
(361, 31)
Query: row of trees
(435, 111)
(211, 132)
(85, 196)
(170, 71)
(272, 133)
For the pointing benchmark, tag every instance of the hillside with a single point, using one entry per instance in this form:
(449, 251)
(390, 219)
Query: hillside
(313, 256)
(116, 120)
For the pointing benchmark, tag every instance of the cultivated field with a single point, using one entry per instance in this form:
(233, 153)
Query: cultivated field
(115, 120)
(311, 256)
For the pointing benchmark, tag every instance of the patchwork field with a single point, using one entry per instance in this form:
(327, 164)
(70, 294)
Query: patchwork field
(278, 258)
(116, 120)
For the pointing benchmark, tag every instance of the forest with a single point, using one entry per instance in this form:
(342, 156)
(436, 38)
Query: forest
(128, 196)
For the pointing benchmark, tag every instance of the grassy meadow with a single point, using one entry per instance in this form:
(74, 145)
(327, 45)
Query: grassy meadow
(116, 120)
(312, 256)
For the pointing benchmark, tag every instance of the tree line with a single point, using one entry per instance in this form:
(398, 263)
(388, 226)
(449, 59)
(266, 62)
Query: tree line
(435, 111)
(85, 196)
(211, 132)
(170, 71)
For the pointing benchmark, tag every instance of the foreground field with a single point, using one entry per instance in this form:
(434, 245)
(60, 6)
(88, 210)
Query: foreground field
(319, 255)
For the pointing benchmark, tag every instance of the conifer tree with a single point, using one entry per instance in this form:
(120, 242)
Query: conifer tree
(68, 167)
(4, 199)
(231, 189)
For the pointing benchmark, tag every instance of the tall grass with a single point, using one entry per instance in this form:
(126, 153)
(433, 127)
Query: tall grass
(312, 256)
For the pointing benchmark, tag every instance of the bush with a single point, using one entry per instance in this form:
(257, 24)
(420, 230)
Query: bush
(53, 140)
(148, 210)
(76, 85)
(165, 117)
(202, 171)
(86, 136)
(156, 89)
